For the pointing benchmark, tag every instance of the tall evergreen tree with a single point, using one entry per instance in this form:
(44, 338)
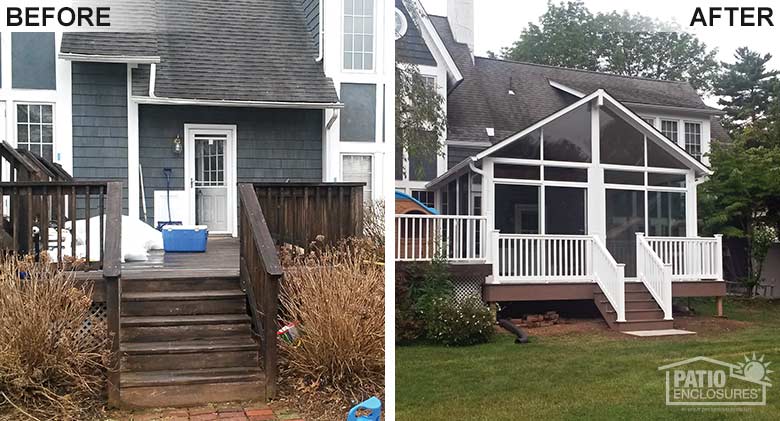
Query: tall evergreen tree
(746, 88)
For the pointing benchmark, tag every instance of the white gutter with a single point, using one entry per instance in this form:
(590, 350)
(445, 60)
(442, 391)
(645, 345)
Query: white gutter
(709, 111)
(152, 79)
(109, 58)
(233, 103)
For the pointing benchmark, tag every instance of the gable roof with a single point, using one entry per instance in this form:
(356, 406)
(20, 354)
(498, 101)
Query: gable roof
(251, 50)
(411, 47)
(484, 100)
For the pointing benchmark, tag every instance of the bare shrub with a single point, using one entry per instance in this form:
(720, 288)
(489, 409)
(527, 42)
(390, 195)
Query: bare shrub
(374, 222)
(337, 296)
(49, 367)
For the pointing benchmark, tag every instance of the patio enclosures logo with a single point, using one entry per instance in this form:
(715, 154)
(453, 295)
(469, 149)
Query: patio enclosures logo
(703, 381)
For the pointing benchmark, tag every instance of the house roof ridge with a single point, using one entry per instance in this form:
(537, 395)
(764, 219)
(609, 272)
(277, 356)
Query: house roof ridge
(581, 70)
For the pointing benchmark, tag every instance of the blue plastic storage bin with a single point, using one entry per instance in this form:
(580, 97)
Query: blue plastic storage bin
(183, 238)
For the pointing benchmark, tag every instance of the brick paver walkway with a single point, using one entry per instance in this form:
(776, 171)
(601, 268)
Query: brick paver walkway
(225, 413)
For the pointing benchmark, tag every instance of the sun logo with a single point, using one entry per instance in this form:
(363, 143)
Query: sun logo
(754, 369)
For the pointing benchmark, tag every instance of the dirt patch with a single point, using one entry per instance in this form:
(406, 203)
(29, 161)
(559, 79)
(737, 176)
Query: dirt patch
(566, 327)
(706, 325)
(316, 405)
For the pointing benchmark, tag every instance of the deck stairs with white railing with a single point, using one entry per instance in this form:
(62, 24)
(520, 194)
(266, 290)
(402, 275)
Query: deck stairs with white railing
(640, 304)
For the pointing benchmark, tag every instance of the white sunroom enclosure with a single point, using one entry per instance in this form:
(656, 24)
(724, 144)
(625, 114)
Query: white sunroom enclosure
(570, 198)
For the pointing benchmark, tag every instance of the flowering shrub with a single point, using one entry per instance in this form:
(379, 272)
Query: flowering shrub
(458, 322)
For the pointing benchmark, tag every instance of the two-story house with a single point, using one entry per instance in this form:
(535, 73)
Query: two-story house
(212, 95)
(559, 179)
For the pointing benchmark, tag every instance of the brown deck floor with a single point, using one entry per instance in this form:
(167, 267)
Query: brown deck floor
(221, 258)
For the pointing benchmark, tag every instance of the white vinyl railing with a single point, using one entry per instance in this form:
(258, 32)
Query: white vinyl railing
(610, 276)
(450, 237)
(542, 257)
(691, 258)
(655, 274)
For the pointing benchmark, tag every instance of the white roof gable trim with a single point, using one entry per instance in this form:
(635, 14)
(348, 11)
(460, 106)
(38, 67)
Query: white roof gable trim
(601, 96)
(432, 37)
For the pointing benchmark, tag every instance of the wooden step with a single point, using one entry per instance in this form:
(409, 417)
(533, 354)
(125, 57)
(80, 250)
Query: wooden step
(183, 303)
(644, 325)
(649, 304)
(635, 287)
(191, 387)
(642, 314)
(181, 283)
(162, 328)
(189, 347)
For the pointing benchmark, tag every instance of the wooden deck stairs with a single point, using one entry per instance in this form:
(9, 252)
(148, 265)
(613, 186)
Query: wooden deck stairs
(642, 311)
(185, 340)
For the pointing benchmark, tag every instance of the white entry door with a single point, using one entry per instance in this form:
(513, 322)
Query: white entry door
(210, 171)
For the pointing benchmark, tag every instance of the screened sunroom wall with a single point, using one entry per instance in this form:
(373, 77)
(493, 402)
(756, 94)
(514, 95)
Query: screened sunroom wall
(592, 171)
(462, 195)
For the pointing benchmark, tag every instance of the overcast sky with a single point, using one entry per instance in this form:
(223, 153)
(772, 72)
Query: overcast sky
(500, 22)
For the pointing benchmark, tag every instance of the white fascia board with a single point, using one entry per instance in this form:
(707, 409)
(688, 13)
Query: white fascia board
(110, 58)
(659, 138)
(428, 30)
(456, 170)
(564, 88)
(707, 111)
(231, 103)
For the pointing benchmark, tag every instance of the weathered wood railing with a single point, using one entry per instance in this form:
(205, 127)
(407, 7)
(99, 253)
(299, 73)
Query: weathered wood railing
(450, 237)
(111, 251)
(297, 213)
(261, 274)
(50, 216)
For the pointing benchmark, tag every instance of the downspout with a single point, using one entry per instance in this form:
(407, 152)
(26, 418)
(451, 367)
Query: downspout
(152, 79)
(474, 168)
(321, 34)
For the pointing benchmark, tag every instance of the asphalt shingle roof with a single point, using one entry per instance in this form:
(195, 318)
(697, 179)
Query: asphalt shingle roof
(245, 50)
(510, 96)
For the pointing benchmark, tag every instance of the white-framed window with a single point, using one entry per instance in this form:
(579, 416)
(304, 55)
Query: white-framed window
(359, 169)
(401, 25)
(427, 198)
(35, 128)
(359, 35)
(649, 120)
(669, 129)
(693, 139)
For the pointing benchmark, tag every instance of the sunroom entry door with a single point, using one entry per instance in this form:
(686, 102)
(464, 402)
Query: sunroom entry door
(211, 187)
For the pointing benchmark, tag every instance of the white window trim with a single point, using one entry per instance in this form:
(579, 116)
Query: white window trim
(373, 38)
(701, 136)
(677, 131)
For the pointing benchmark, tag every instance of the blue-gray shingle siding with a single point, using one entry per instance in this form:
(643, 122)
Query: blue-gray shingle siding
(273, 145)
(311, 13)
(100, 122)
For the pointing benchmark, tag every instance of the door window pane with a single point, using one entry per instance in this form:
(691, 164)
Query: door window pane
(517, 209)
(567, 138)
(621, 143)
(666, 214)
(565, 210)
(359, 169)
(625, 218)
(35, 129)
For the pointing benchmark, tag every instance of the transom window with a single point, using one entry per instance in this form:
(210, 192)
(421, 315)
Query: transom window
(693, 139)
(401, 24)
(35, 129)
(359, 34)
(669, 129)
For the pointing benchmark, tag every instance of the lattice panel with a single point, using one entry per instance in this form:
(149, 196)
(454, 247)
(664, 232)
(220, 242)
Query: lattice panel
(95, 324)
(467, 287)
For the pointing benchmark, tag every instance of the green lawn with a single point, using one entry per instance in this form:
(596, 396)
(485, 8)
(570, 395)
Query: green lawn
(595, 374)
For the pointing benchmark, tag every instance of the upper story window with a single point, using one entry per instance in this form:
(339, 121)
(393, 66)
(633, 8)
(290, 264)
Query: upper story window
(33, 60)
(693, 139)
(401, 25)
(35, 129)
(359, 34)
(669, 129)
(359, 169)
(649, 120)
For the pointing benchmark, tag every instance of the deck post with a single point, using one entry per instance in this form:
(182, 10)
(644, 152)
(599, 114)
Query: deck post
(719, 306)
(719, 257)
(112, 275)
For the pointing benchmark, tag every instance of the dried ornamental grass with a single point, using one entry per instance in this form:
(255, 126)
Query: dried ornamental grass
(49, 365)
(337, 297)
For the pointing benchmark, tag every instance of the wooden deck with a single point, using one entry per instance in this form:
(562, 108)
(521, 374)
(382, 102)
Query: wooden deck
(221, 258)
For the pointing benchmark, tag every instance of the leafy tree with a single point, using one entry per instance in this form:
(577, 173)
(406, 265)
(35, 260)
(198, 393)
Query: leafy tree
(746, 89)
(569, 35)
(419, 113)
